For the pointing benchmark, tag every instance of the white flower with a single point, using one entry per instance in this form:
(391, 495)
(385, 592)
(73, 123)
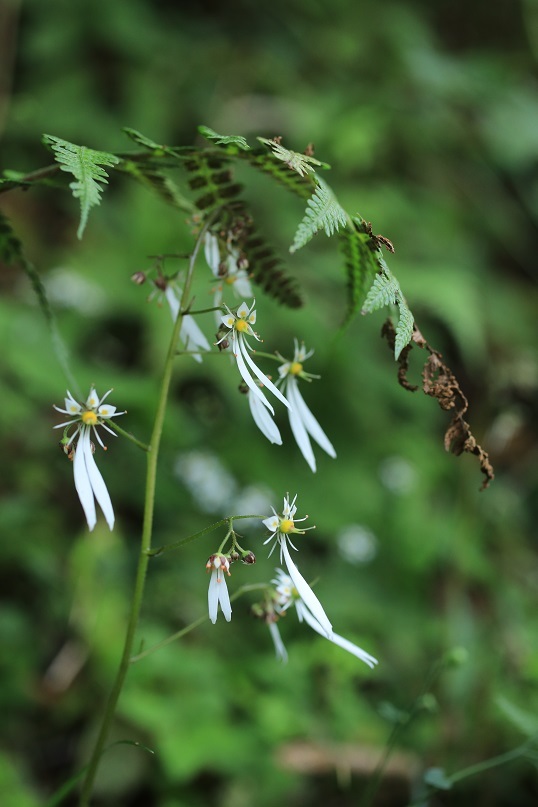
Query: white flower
(89, 483)
(302, 421)
(218, 590)
(239, 325)
(280, 650)
(190, 332)
(228, 272)
(263, 419)
(286, 595)
(281, 527)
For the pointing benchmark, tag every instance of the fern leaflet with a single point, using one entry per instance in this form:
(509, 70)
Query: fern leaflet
(302, 163)
(386, 290)
(322, 212)
(224, 140)
(86, 166)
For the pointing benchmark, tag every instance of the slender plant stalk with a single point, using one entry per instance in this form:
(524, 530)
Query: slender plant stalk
(145, 546)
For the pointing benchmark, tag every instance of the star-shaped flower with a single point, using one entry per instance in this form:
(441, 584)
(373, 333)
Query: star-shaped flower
(85, 418)
(287, 595)
(303, 423)
(281, 527)
(238, 326)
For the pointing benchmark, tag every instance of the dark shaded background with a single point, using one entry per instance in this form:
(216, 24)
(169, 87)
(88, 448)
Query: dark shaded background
(428, 114)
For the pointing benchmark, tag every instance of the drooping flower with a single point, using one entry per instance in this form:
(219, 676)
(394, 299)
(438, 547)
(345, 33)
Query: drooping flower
(229, 271)
(85, 418)
(217, 594)
(281, 527)
(239, 325)
(190, 332)
(287, 595)
(302, 421)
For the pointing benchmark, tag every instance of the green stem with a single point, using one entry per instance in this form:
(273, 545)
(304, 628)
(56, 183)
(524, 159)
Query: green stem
(145, 550)
(195, 624)
(177, 544)
(128, 435)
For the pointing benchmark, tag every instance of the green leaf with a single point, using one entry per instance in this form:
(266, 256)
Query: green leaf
(224, 140)
(302, 163)
(158, 182)
(361, 264)
(142, 140)
(385, 290)
(85, 165)
(436, 777)
(323, 212)
(525, 721)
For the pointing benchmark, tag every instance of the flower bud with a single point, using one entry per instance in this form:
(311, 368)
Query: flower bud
(248, 557)
(139, 278)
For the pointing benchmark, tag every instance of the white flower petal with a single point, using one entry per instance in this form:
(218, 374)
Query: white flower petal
(192, 336)
(98, 483)
(263, 420)
(261, 376)
(297, 426)
(305, 592)
(310, 422)
(224, 597)
(93, 399)
(213, 596)
(245, 375)
(82, 480)
(280, 650)
(335, 638)
(172, 301)
(271, 523)
(106, 411)
(243, 311)
(242, 285)
(211, 252)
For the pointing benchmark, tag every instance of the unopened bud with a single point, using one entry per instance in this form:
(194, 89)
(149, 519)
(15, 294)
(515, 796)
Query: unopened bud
(139, 278)
(161, 283)
(248, 557)
(243, 389)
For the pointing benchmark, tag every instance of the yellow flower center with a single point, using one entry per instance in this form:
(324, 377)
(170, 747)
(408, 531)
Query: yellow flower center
(230, 280)
(286, 526)
(241, 325)
(89, 418)
(296, 368)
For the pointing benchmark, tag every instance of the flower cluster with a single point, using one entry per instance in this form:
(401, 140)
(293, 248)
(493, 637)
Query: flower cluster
(85, 418)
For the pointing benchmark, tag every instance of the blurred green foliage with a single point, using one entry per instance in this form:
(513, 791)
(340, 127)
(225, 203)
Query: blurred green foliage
(427, 114)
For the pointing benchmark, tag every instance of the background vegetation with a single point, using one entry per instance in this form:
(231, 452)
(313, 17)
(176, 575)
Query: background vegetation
(428, 114)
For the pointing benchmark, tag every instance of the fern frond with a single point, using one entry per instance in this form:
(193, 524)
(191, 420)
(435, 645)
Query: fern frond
(360, 265)
(86, 166)
(323, 212)
(224, 140)
(302, 163)
(386, 290)
(209, 172)
(265, 162)
(158, 182)
(404, 328)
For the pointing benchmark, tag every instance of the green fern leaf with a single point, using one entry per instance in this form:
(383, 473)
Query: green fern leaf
(361, 265)
(386, 290)
(302, 163)
(265, 162)
(142, 140)
(86, 166)
(158, 182)
(224, 140)
(404, 329)
(322, 212)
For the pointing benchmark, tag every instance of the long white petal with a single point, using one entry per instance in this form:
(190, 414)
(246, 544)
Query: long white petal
(335, 638)
(82, 480)
(261, 376)
(247, 378)
(224, 597)
(242, 285)
(173, 302)
(192, 336)
(213, 597)
(98, 483)
(211, 252)
(310, 422)
(263, 420)
(306, 593)
(280, 650)
(298, 428)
